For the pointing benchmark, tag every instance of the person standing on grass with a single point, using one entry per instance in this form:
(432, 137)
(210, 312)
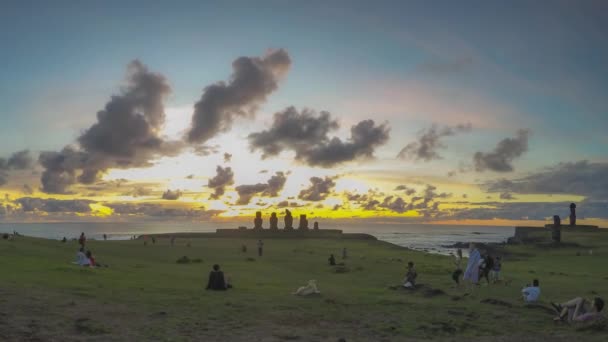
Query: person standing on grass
(495, 275)
(105, 237)
(172, 240)
(458, 263)
(344, 253)
(260, 247)
(153, 240)
(471, 274)
(332, 260)
(82, 240)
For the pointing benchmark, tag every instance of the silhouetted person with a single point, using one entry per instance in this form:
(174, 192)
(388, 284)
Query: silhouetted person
(82, 240)
(274, 221)
(244, 248)
(556, 231)
(216, 279)
(257, 221)
(332, 260)
(316, 226)
(458, 263)
(572, 214)
(288, 220)
(153, 240)
(344, 253)
(172, 240)
(260, 248)
(105, 237)
(64, 240)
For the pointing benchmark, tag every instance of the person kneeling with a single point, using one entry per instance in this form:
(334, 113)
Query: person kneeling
(410, 277)
(217, 281)
(579, 310)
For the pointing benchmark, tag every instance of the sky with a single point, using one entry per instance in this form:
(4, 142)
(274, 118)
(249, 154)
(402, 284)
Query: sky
(468, 112)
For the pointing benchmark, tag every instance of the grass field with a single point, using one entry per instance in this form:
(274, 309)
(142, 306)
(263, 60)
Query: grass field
(146, 295)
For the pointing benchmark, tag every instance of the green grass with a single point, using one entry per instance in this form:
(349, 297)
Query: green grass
(146, 295)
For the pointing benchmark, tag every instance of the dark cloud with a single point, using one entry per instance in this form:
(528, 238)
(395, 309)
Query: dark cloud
(501, 158)
(227, 157)
(582, 178)
(20, 160)
(506, 196)
(190, 177)
(407, 190)
(126, 134)
(270, 189)
(223, 178)
(252, 80)
(429, 142)
(171, 195)
(51, 205)
(138, 191)
(319, 189)
(206, 150)
(392, 203)
(263, 171)
(159, 211)
(306, 133)
(286, 204)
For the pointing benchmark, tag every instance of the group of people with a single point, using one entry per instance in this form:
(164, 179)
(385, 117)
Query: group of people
(86, 259)
(480, 265)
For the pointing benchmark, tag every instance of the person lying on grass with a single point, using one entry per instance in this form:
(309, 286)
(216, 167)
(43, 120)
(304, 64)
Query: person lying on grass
(579, 310)
(217, 281)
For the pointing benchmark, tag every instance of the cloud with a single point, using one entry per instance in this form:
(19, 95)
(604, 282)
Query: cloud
(27, 189)
(126, 134)
(429, 142)
(501, 158)
(227, 157)
(506, 196)
(20, 160)
(407, 190)
(159, 211)
(271, 189)
(223, 178)
(582, 178)
(252, 80)
(286, 204)
(51, 205)
(206, 150)
(306, 133)
(319, 189)
(396, 204)
(171, 195)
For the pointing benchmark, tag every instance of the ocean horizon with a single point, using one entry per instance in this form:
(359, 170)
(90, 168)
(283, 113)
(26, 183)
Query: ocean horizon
(423, 237)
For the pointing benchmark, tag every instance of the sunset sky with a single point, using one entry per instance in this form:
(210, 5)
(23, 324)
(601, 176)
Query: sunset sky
(467, 112)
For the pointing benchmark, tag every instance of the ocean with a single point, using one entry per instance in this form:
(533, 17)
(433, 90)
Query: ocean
(428, 238)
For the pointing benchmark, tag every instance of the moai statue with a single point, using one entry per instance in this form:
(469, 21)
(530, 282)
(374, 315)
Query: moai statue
(303, 222)
(274, 221)
(257, 221)
(316, 226)
(288, 220)
(556, 230)
(572, 214)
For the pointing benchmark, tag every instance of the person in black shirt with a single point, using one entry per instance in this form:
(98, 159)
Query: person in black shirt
(332, 260)
(217, 281)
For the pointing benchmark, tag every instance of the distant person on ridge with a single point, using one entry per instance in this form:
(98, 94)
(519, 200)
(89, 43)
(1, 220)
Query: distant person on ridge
(153, 240)
(217, 281)
(458, 263)
(82, 240)
(172, 240)
(344, 253)
(105, 237)
(580, 310)
(471, 274)
(244, 248)
(410, 276)
(531, 293)
(332, 260)
(260, 247)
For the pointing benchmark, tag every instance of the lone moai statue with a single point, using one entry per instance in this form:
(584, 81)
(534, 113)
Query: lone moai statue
(303, 222)
(572, 214)
(288, 220)
(316, 226)
(556, 230)
(257, 221)
(274, 221)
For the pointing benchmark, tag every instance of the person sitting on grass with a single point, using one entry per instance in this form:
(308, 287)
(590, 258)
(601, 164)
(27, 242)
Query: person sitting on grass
(531, 293)
(579, 310)
(81, 258)
(217, 281)
(92, 261)
(410, 277)
(332, 260)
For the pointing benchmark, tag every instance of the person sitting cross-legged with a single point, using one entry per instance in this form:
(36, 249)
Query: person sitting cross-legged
(217, 281)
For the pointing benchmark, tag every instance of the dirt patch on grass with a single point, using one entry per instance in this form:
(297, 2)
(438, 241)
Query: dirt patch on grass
(494, 301)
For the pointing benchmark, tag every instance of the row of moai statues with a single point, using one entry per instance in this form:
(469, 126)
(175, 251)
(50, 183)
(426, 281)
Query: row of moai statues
(288, 219)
